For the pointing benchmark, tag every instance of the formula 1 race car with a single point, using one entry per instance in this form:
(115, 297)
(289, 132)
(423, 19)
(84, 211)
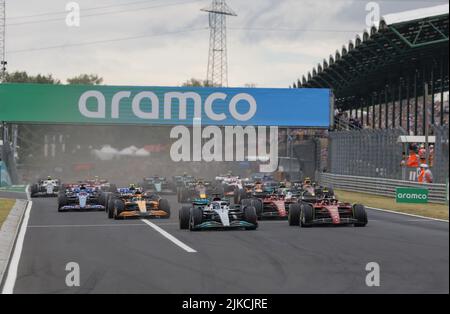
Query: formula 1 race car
(79, 198)
(45, 188)
(158, 185)
(231, 187)
(180, 180)
(134, 203)
(192, 190)
(327, 211)
(312, 193)
(99, 184)
(217, 214)
(272, 205)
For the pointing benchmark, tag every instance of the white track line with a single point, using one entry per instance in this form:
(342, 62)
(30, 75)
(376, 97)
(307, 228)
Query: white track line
(84, 226)
(170, 237)
(10, 282)
(406, 214)
(27, 191)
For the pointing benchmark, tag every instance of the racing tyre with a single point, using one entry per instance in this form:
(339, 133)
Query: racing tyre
(237, 195)
(196, 218)
(108, 198)
(360, 214)
(246, 203)
(110, 208)
(103, 198)
(294, 214)
(62, 201)
(306, 215)
(119, 207)
(165, 206)
(183, 196)
(257, 203)
(251, 217)
(184, 217)
(33, 190)
(113, 188)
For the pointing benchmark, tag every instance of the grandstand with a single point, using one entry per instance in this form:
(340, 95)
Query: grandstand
(379, 78)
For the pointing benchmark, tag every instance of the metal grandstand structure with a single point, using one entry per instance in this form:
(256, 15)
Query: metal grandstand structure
(380, 77)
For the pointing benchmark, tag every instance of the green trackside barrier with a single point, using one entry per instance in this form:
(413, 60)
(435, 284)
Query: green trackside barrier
(5, 179)
(411, 195)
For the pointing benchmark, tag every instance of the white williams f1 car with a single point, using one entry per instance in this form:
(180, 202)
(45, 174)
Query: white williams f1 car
(45, 188)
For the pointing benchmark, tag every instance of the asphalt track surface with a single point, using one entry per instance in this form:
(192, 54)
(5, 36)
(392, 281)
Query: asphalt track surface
(132, 257)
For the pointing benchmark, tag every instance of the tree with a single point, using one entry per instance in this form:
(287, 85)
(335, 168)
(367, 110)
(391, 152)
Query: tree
(193, 82)
(23, 77)
(85, 79)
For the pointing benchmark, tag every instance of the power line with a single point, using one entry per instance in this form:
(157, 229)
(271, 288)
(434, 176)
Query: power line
(264, 29)
(160, 34)
(87, 9)
(104, 41)
(105, 13)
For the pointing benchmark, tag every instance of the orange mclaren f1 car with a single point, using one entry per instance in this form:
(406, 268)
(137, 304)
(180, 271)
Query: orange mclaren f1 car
(138, 206)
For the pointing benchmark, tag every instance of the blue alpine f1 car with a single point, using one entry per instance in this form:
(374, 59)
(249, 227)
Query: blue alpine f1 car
(80, 198)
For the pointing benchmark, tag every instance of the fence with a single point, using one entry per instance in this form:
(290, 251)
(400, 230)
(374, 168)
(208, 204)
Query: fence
(7, 155)
(440, 169)
(4, 175)
(380, 186)
(366, 153)
(378, 154)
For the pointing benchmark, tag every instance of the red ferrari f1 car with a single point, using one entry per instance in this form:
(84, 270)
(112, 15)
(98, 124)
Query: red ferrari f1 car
(327, 211)
(271, 205)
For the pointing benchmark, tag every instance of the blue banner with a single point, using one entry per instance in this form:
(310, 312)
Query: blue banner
(164, 105)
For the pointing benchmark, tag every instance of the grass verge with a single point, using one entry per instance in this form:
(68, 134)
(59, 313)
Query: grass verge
(5, 207)
(439, 211)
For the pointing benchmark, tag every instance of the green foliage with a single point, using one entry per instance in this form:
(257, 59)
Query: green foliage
(85, 79)
(193, 82)
(23, 77)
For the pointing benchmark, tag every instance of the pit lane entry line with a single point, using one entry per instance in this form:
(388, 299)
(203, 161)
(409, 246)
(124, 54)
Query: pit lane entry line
(169, 237)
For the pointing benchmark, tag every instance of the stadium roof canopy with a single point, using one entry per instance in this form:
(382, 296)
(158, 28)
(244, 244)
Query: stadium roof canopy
(403, 44)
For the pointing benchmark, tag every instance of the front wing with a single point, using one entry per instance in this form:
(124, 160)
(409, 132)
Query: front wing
(212, 224)
(78, 207)
(144, 215)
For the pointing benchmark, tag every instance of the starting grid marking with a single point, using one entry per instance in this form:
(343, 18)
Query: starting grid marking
(170, 237)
